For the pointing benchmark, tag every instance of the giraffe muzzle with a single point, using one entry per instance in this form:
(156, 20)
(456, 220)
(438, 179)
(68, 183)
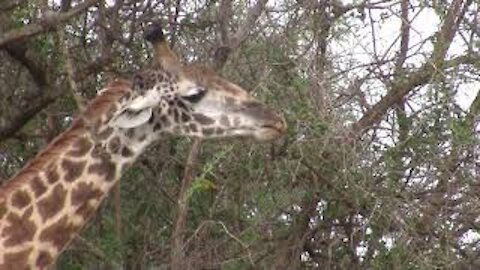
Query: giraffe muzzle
(270, 125)
(271, 131)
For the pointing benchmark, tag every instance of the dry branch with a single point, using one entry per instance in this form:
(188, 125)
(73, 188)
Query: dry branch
(178, 239)
(13, 42)
(403, 85)
(46, 24)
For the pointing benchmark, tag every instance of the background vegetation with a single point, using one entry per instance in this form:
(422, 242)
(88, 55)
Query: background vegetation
(380, 167)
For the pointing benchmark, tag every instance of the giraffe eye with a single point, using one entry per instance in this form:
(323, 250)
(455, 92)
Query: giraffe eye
(194, 95)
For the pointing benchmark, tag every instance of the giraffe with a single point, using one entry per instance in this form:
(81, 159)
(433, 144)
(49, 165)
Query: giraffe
(45, 204)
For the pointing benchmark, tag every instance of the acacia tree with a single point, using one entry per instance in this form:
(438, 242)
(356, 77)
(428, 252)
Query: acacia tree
(379, 166)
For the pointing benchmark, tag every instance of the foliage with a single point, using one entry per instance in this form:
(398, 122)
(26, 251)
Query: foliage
(400, 193)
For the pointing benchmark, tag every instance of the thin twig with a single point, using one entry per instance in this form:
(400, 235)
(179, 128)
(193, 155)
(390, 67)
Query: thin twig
(46, 24)
(177, 256)
(69, 69)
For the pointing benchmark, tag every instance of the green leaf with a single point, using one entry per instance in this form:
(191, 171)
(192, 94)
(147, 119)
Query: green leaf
(200, 185)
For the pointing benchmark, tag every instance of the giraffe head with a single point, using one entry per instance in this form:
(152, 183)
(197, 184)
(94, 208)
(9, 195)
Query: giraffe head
(193, 101)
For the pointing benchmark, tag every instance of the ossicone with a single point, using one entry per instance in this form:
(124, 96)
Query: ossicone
(154, 33)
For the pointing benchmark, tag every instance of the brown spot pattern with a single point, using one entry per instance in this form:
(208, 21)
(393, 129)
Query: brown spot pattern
(142, 138)
(230, 101)
(59, 233)
(85, 210)
(185, 117)
(208, 131)
(3, 209)
(104, 134)
(127, 95)
(157, 126)
(20, 199)
(53, 203)
(193, 127)
(80, 147)
(130, 133)
(38, 187)
(202, 119)
(52, 174)
(224, 121)
(105, 168)
(44, 259)
(126, 152)
(17, 260)
(111, 112)
(99, 152)
(19, 229)
(236, 121)
(73, 169)
(114, 145)
(97, 124)
(165, 121)
(83, 192)
(176, 116)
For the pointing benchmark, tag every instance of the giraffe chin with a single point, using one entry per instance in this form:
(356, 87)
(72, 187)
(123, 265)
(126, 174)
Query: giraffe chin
(267, 133)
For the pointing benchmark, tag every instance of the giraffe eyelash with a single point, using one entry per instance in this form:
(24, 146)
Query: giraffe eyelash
(195, 97)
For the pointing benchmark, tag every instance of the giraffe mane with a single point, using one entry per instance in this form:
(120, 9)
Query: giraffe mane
(95, 109)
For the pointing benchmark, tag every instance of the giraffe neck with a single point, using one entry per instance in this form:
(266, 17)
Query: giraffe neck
(46, 204)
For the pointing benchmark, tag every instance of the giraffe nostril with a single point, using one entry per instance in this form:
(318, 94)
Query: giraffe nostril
(270, 125)
(259, 111)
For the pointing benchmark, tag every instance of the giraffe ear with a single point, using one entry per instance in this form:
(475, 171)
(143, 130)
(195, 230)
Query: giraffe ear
(129, 118)
(147, 100)
(137, 111)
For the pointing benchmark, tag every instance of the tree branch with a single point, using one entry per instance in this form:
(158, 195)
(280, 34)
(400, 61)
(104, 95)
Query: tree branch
(36, 70)
(10, 125)
(9, 5)
(229, 44)
(245, 28)
(46, 24)
(224, 15)
(403, 85)
(12, 43)
(177, 255)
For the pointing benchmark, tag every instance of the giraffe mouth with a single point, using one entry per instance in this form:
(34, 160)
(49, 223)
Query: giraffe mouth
(268, 132)
(264, 123)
